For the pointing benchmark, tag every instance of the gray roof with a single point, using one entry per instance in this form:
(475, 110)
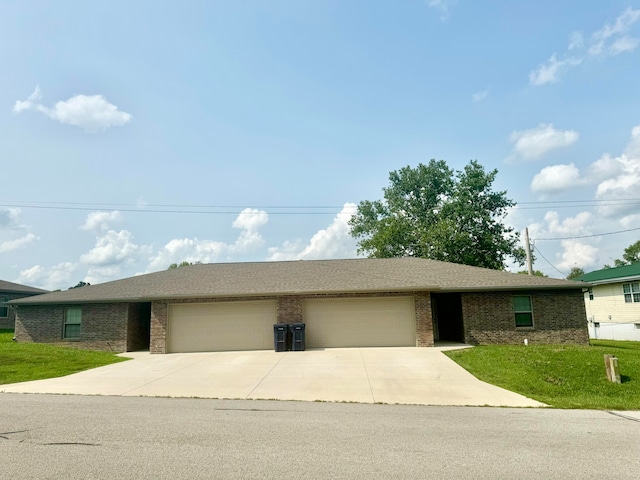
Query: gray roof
(302, 277)
(17, 288)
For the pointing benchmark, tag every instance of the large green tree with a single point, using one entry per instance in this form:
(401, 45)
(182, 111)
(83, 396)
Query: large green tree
(631, 255)
(432, 211)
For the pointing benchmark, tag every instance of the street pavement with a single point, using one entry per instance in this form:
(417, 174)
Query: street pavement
(107, 437)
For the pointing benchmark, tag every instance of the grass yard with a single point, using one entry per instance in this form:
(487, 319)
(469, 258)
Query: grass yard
(563, 376)
(23, 362)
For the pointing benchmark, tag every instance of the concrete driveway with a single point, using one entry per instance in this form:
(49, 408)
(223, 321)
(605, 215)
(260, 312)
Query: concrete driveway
(367, 375)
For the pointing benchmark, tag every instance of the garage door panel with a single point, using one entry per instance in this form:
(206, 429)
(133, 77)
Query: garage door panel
(221, 326)
(360, 322)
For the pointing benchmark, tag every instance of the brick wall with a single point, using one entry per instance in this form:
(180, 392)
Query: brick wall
(8, 322)
(290, 310)
(104, 326)
(558, 317)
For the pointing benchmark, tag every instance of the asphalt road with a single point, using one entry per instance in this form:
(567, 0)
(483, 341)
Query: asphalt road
(80, 437)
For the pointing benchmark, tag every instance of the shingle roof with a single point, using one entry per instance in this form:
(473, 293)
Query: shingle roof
(300, 277)
(607, 275)
(17, 288)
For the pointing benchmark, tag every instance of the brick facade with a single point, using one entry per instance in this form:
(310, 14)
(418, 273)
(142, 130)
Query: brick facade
(558, 317)
(488, 318)
(105, 326)
(289, 310)
(8, 322)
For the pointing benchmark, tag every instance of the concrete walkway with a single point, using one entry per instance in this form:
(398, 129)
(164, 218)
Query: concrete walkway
(366, 375)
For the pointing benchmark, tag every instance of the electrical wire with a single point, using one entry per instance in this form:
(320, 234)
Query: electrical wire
(589, 236)
(564, 275)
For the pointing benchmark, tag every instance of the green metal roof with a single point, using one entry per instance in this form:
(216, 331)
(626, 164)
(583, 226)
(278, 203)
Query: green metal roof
(627, 271)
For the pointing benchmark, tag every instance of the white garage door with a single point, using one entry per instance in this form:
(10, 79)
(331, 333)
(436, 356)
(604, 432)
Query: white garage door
(212, 327)
(360, 322)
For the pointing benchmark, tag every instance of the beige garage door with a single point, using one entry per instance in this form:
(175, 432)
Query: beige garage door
(360, 322)
(212, 327)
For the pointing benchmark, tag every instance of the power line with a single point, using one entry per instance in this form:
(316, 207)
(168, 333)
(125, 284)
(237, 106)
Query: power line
(564, 275)
(589, 236)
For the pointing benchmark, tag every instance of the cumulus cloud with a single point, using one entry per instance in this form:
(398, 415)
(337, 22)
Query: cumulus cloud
(610, 40)
(331, 242)
(617, 179)
(58, 276)
(10, 245)
(556, 179)
(112, 248)
(576, 253)
(92, 113)
(100, 222)
(9, 217)
(249, 221)
(536, 142)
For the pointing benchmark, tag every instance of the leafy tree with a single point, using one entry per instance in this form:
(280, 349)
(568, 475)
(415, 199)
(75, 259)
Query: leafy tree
(433, 212)
(536, 273)
(184, 263)
(575, 273)
(630, 256)
(80, 284)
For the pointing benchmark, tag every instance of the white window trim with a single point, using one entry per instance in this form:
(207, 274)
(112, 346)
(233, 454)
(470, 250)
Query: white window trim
(523, 311)
(66, 322)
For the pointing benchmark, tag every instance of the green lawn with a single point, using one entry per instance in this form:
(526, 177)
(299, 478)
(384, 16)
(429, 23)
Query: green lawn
(22, 362)
(563, 376)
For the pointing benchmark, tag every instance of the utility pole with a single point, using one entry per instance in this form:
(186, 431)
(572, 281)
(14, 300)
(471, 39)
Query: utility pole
(527, 246)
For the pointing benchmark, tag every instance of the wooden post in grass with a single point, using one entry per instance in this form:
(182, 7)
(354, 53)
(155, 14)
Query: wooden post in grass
(613, 371)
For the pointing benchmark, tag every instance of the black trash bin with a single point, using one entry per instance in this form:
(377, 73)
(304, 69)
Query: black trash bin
(297, 337)
(281, 338)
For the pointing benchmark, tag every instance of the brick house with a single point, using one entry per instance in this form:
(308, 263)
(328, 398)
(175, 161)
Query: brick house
(12, 291)
(344, 303)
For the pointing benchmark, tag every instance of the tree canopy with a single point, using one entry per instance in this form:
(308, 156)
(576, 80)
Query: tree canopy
(630, 256)
(575, 273)
(432, 211)
(184, 263)
(80, 284)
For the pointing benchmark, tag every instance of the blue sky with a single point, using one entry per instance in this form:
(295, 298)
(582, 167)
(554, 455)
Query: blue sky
(137, 134)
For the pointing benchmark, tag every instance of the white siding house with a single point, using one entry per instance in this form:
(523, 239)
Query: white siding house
(613, 303)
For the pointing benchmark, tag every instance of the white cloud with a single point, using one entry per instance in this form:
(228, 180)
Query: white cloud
(93, 113)
(536, 142)
(444, 6)
(249, 221)
(10, 245)
(58, 276)
(610, 40)
(479, 96)
(9, 217)
(100, 222)
(331, 242)
(112, 248)
(550, 71)
(577, 254)
(556, 179)
(600, 40)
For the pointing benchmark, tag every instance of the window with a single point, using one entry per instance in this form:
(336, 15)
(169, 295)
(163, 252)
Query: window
(631, 292)
(637, 326)
(596, 324)
(591, 294)
(72, 322)
(4, 308)
(523, 311)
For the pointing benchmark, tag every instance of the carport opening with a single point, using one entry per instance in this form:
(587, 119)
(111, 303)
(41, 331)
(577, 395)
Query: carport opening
(447, 317)
(139, 327)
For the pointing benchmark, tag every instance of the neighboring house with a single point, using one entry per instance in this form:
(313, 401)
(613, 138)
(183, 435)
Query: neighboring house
(344, 303)
(613, 302)
(11, 291)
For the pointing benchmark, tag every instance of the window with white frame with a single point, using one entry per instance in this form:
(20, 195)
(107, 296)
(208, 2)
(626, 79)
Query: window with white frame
(631, 292)
(523, 310)
(4, 308)
(72, 322)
